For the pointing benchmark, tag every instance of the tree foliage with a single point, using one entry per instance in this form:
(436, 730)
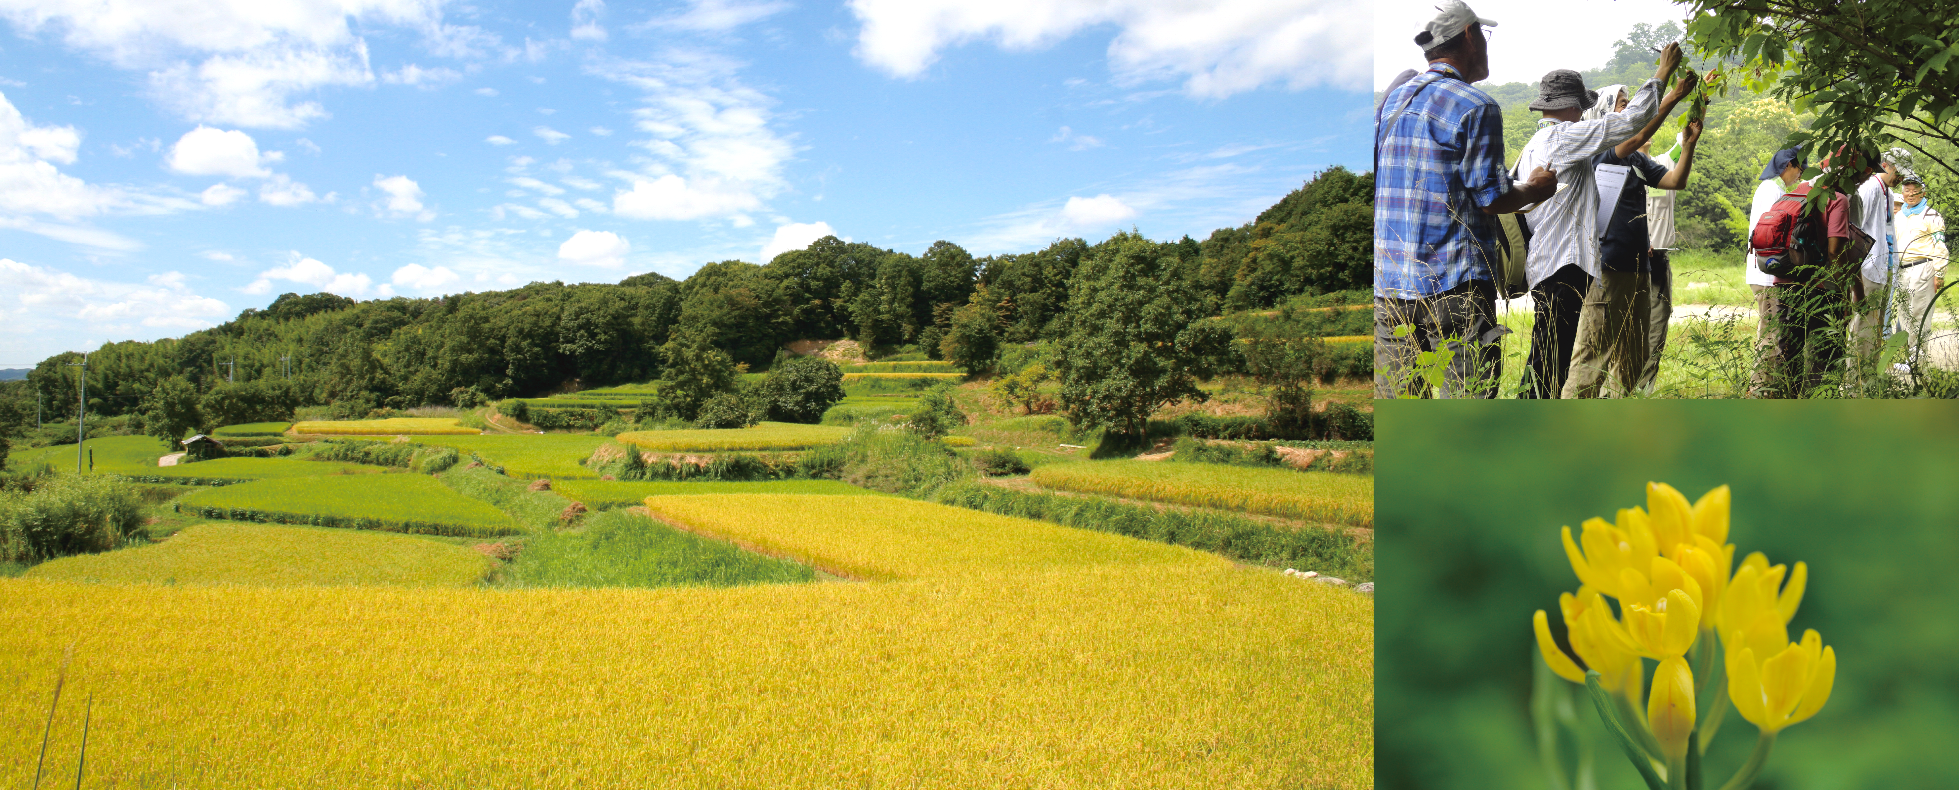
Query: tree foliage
(1133, 341)
(171, 412)
(801, 389)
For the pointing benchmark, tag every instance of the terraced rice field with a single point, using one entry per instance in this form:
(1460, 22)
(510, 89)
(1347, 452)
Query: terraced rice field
(852, 378)
(252, 429)
(895, 538)
(623, 493)
(553, 455)
(113, 454)
(261, 555)
(765, 436)
(1150, 677)
(901, 367)
(1313, 496)
(398, 502)
(393, 426)
(230, 469)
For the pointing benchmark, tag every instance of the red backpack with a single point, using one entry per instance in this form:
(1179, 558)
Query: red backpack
(1785, 238)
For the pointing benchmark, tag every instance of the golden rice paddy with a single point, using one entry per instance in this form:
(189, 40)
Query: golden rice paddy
(763, 436)
(1314, 496)
(277, 556)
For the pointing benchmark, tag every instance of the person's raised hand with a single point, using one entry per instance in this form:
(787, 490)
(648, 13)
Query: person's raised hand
(1669, 60)
(1692, 133)
(1686, 85)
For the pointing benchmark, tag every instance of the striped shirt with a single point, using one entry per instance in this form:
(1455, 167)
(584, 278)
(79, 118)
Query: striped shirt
(1438, 160)
(1565, 226)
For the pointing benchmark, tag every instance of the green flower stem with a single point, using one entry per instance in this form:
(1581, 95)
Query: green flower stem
(1712, 693)
(1543, 714)
(1677, 774)
(1634, 721)
(1604, 703)
(1745, 777)
(1693, 763)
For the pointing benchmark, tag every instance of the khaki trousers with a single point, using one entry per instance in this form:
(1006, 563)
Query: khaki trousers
(1867, 326)
(1611, 337)
(1915, 287)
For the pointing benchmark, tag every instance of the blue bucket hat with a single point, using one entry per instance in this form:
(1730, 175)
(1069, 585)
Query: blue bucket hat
(1782, 159)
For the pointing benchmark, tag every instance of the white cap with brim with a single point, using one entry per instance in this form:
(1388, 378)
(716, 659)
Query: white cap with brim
(1451, 19)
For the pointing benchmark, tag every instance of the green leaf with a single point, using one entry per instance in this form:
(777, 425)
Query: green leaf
(1936, 63)
(1603, 702)
(1752, 46)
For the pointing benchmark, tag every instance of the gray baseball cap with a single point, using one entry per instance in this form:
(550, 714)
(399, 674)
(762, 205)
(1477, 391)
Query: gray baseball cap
(1451, 19)
(1561, 89)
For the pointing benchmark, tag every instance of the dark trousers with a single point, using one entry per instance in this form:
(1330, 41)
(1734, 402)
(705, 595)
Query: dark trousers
(1461, 321)
(1558, 299)
(1660, 301)
(1803, 333)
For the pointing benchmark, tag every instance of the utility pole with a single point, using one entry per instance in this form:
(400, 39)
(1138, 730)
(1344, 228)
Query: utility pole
(81, 420)
(285, 366)
(231, 374)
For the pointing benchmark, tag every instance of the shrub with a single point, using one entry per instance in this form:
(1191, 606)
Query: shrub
(515, 409)
(802, 389)
(1190, 450)
(1000, 461)
(936, 414)
(892, 461)
(573, 419)
(724, 410)
(68, 514)
(1346, 422)
(427, 459)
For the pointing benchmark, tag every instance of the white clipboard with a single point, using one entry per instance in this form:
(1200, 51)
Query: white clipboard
(1611, 181)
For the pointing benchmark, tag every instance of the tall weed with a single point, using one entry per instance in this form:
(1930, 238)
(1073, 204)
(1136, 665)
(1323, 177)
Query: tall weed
(68, 514)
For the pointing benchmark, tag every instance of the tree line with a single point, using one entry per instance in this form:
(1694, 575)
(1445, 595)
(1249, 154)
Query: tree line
(546, 337)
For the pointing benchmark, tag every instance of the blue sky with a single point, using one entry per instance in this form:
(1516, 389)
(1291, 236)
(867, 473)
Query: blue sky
(164, 165)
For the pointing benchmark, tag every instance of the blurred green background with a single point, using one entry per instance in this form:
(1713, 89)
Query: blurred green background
(1468, 501)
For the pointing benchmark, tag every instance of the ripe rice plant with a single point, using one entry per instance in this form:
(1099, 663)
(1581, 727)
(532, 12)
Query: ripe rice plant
(765, 436)
(853, 378)
(1313, 496)
(604, 494)
(393, 503)
(410, 426)
(553, 455)
(252, 429)
(260, 555)
(621, 549)
(893, 538)
(1119, 677)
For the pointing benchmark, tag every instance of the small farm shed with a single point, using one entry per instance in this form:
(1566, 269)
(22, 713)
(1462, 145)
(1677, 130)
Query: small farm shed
(201, 447)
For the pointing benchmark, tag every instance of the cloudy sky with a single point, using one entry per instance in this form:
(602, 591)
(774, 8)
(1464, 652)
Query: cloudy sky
(1528, 41)
(165, 164)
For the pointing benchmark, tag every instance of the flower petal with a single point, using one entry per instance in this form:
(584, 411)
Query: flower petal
(1821, 681)
(1745, 687)
(1670, 708)
(1672, 517)
(1785, 676)
(1792, 595)
(1711, 515)
(1556, 658)
(1681, 625)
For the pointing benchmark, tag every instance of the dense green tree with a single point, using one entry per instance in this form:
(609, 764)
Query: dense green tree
(171, 411)
(245, 401)
(695, 371)
(1133, 340)
(801, 389)
(937, 414)
(972, 341)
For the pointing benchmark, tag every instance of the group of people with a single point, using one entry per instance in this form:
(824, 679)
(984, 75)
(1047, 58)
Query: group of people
(1589, 236)
(1886, 258)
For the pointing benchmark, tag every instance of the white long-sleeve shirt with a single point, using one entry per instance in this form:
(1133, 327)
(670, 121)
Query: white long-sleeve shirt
(1874, 198)
(1766, 193)
(1565, 227)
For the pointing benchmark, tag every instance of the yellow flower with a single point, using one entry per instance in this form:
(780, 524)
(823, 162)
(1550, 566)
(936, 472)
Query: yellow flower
(1674, 521)
(1774, 686)
(1663, 613)
(1610, 550)
(1670, 709)
(1707, 563)
(1753, 593)
(1597, 639)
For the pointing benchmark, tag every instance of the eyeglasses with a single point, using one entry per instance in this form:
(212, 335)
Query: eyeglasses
(1487, 32)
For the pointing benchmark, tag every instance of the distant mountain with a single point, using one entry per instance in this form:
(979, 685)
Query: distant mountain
(14, 374)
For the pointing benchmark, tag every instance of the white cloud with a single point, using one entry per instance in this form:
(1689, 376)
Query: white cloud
(533, 184)
(423, 279)
(497, 139)
(1075, 141)
(281, 190)
(550, 135)
(205, 151)
(670, 197)
(220, 195)
(719, 15)
(486, 91)
(404, 197)
(585, 20)
(302, 270)
(713, 154)
(46, 311)
(31, 186)
(1529, 42)
(581, 183)
(595, 248)
(601, 131)
(589, 204)
(419, 77)
(241, 63)
(1094, 212)
(559, 208)
(794, 236)
(498, 213)
(1218, 48)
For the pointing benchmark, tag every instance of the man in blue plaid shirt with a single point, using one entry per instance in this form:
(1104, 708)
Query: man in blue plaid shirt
(1438, 178)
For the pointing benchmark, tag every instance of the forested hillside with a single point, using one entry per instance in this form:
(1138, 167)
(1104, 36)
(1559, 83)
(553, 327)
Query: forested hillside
(466, 348)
